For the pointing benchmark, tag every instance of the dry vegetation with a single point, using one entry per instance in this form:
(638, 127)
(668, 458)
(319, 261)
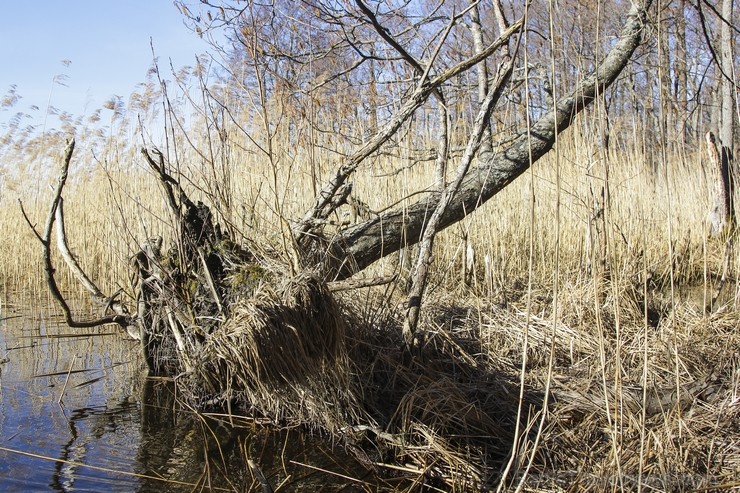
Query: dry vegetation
(581, 341)
(574, 336)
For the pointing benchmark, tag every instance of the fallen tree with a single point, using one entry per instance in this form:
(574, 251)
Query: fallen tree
(242, 330)
(367, 242)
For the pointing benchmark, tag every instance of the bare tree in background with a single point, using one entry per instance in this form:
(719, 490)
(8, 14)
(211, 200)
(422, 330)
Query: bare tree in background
(422, 54)
(729, 85)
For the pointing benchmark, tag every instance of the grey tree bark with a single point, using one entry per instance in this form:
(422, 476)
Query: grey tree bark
(367, 242)
(727, 118)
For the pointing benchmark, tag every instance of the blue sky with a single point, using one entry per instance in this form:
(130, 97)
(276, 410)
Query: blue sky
(107, 42)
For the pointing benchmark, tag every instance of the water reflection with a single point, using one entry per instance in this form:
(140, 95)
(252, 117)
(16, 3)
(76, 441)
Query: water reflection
(115, 430)
(95, 374)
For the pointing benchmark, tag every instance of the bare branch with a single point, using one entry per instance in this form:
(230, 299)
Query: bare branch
(388, 37)
(433, 225)
(28, 221)
(167, 181)
(323, 206)
(482, 72)
(108, 301)
(56, 214)
(351, 284)
(393, 230)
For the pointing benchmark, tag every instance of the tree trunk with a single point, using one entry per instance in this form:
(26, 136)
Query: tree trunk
(665, 113)
(726, 129)
(365, 243)
(680, 69)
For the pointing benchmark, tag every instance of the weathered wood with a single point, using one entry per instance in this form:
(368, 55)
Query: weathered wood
(56, 215)
(147, 277)
(178, 294)
(445, 199)
(369, 241)
(722, 216)
(325, 203)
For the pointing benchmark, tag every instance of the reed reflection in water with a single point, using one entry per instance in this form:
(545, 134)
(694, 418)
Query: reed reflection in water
(116, 430)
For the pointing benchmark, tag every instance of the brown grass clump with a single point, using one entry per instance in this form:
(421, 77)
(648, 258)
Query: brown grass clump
(281, 354)
(662, 413)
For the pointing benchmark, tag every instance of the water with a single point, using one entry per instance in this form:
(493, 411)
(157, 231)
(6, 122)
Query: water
(78, 414)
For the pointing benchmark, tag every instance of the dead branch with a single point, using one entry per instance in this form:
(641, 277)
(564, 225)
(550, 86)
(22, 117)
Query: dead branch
(109, 302)
(432, 228)
(165, 179)
(393, 42)
(324, 205)
(722, 217)
(56, 214)
(367, 242)
(351, 284)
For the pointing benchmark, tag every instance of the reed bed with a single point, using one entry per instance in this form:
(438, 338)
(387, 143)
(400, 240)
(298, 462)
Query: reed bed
(583, 351)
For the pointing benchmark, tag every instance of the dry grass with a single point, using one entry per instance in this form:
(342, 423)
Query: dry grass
(282, 353)
(614, 419)
(598, 371)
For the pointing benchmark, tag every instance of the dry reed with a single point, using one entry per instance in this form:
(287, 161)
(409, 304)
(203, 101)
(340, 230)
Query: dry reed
(644, 383)
(281, 352)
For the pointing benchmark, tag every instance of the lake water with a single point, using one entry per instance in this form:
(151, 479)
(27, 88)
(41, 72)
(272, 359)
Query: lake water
(78, 414)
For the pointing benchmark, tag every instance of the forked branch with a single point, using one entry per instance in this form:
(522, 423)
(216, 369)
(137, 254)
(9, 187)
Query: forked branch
(433, 225)
(369, 241)
(121, 314)
(324, 204)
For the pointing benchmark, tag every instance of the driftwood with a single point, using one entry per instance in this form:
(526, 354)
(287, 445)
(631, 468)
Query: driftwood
(205, 282)
(722, 216)
(121, 312)
(722, 220)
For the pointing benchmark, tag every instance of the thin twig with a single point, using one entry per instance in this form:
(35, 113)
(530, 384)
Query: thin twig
(66, 380)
